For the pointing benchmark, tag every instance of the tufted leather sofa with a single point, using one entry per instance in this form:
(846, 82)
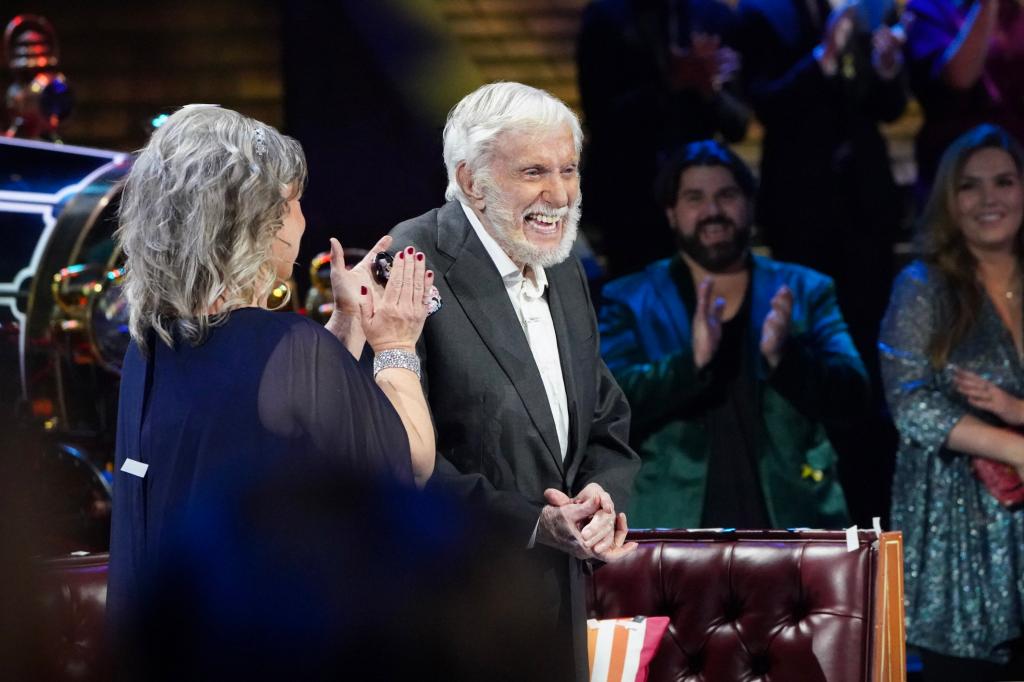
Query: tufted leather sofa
(748, 605)
(763, 605)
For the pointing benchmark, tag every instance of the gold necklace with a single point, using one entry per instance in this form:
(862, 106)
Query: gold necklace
(1011, 292)
(1011, 289)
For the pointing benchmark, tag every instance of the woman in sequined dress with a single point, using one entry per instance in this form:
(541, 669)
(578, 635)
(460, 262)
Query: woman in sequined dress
(951, 352)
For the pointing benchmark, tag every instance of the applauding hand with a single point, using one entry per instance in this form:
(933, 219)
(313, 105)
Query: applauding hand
(346, 283)
(395, 318)
(887, 51)
(707, 323)
(775, 329)
(984, 395)
(837, 33)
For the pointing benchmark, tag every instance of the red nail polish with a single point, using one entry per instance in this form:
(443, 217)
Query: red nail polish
(401, 254)
(362, 290)
(430, 273)
(410, 250)
(419, 256)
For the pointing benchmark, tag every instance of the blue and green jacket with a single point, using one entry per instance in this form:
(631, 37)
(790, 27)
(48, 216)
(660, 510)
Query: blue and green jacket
(820, 381)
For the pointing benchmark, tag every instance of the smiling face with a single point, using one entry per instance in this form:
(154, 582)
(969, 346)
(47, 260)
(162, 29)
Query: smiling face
(989, 201)
(528, 197)
(711, 218)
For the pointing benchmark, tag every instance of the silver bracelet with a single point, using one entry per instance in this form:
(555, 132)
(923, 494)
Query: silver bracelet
(395, 357)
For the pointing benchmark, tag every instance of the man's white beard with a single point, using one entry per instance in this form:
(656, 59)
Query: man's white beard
(515, 244)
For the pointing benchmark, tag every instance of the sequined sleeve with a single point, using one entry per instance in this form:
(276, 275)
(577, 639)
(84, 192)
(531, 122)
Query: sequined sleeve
(920, 398)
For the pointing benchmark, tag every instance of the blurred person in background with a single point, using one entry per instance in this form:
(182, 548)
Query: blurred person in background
(966, 62)
(733, 363)
(220, 395)
(653, 74)
(821, 81)
(951, 349)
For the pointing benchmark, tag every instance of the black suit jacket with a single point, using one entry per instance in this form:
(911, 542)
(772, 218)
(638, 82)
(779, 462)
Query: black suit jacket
(496, 440)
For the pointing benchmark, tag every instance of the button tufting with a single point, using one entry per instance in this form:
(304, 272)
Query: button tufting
(732, 609)
(759, 664)
(799, 611)
(695, 662)
(754, 608)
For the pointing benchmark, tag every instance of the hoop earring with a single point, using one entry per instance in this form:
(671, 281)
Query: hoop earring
(279, 296)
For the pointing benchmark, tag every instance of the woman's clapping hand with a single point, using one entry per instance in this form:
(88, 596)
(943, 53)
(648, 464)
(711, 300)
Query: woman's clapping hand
(346, 283)
(984, 395)
(394, 318)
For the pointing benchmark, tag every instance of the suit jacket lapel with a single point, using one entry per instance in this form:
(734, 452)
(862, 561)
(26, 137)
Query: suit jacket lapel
(559, 302)
(477, 286)
(675, 309)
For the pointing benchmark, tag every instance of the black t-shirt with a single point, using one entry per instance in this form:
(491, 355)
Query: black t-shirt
(733, 497)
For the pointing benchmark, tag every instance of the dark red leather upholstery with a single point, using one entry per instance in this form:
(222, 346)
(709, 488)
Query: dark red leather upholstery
(751, 605)
(74, 600)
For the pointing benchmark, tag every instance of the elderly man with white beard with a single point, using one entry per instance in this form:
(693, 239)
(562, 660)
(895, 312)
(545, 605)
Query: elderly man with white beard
(530, 424)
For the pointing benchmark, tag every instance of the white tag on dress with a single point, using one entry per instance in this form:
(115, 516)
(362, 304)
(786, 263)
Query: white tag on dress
(852, 541)
(134, 468)
(876, 523)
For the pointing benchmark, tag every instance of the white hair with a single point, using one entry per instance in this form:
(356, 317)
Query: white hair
(200, 209)
(482, 115)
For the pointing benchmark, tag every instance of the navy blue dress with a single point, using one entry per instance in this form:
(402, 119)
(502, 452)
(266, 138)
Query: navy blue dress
(266, 395)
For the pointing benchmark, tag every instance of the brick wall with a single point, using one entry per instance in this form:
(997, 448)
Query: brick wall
(127, 65)
(533, 41)
(127, 62)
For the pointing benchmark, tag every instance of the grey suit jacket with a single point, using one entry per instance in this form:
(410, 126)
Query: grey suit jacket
(494, 424)
(496, 440)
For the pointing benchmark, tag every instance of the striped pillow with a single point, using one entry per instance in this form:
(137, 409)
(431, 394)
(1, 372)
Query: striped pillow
(621, 648)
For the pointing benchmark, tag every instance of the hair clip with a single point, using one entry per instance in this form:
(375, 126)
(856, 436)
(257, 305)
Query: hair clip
(260, 142)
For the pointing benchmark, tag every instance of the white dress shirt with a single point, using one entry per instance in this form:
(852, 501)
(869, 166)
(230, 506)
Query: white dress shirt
(531, 306)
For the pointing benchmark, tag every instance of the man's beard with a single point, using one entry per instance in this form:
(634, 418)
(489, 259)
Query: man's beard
(720, 256)
(514, 242)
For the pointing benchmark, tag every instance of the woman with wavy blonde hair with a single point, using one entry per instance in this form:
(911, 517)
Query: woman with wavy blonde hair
(219, 393)
(196, 219)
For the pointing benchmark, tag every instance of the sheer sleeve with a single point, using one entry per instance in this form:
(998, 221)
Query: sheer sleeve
(920, 398)
(312, 389)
